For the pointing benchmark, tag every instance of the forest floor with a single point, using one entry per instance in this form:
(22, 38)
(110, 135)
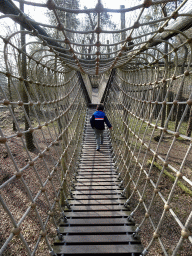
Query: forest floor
(16, 197)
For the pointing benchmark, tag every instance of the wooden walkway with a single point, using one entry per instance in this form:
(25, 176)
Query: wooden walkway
(97, 221)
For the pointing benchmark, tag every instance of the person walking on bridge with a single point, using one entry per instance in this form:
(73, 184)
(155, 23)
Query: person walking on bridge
(97, 123)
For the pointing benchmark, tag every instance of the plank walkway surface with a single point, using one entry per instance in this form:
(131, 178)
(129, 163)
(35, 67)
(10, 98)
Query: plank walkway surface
(97, 219)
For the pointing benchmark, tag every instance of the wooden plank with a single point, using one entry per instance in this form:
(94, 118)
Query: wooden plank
(90, 179)
(92, 146)
(98, 221)
(95, 154)
(96, 165)
(100, 207)
(86, 239)
(88, 175)
(98, 172)
(98, 156)
(104, 187)
(95, 183)
(96, 175)
(97, 229)
(92, 171)
(96, 249)
(86, 151)
(96, 214)
(96, 201)
(101, 176)
(97, 168)
(99, 196)
(107, 167)
(95, 161)
(96, 192)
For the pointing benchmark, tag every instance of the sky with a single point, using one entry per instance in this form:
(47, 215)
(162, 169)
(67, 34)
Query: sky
(37, 13)
(113, 4)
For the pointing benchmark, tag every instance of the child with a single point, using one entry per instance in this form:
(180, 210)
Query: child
(97, 123)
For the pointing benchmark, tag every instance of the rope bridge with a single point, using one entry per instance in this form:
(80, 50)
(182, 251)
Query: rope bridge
(143, 74)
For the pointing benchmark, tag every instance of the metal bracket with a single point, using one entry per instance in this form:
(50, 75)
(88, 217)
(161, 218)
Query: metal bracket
(59, 235)
(119, 176)
(145, 252)
(126, 204)
(123, 193)
(52, 253)
(73, 185)
(121, 184)
(71, 194)
(136, 233)
(63, 217)
(68, 206)
(130, 218)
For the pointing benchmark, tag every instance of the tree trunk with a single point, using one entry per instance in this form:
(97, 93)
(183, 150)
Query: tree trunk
(11, 99)
(165, 84)
(180, 93)
(189, 128)
(163, 106)
(28, 136)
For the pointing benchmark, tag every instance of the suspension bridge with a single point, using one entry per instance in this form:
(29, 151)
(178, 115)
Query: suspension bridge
(58, 195)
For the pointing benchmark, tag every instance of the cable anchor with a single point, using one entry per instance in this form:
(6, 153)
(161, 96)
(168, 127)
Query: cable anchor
(68, 205)
(145, 252)
(126, 204)
(136, 233)
(123, 193)
(130, 218)
(52, 253)
(63, 217)
(121, 184)
(71, 194)
(59, 235)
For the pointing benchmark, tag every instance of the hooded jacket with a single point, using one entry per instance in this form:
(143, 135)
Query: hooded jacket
(98, 119)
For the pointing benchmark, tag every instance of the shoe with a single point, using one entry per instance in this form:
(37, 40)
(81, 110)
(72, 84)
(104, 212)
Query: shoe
(98, 149)
(101, 142)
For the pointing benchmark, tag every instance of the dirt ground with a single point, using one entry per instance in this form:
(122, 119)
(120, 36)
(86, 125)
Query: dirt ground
(16, 196)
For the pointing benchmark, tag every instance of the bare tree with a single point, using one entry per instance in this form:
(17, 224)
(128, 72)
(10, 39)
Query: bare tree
(28, 135)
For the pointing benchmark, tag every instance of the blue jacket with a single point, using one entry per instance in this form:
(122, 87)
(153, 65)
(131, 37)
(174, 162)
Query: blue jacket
(97, 120)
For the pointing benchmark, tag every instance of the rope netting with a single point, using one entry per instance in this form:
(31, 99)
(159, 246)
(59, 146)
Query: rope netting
(141, 60)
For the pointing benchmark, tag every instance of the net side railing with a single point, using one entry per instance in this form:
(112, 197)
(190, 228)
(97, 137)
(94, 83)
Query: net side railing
(42, 112)
(148, 102)
(42, 107)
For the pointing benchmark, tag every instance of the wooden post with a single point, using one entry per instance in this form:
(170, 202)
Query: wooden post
(83, 49)
(108, 49)
(123, 35)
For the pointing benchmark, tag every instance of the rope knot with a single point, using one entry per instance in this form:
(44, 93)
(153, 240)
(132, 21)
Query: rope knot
(51, 4)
